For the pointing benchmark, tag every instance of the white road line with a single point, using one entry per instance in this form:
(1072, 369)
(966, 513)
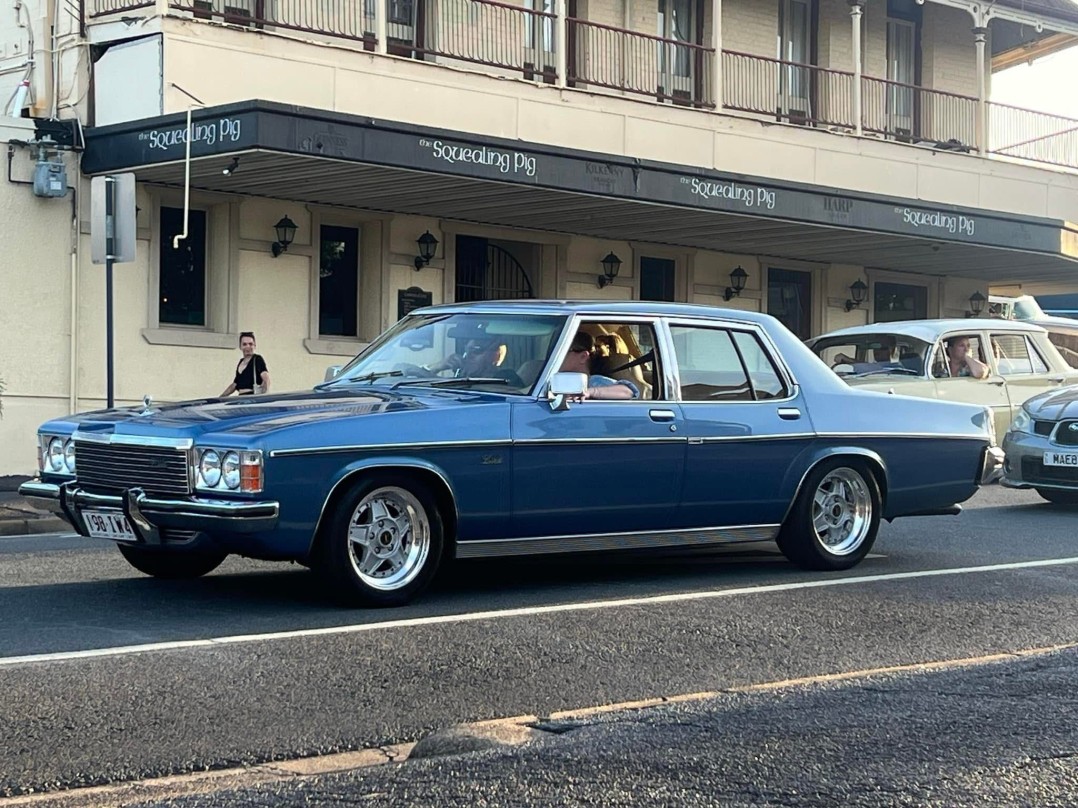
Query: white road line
(527, 611)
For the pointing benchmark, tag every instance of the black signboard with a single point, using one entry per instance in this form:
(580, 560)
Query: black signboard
(410, 299)
(275, 127)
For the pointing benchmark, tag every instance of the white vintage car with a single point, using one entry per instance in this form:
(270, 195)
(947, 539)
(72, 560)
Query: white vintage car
(1010, 361)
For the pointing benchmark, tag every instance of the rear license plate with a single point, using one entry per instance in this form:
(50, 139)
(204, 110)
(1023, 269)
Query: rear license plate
(1061, 459)
(108, 525)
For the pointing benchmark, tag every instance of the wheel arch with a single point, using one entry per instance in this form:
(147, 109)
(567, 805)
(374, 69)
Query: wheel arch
(872, 459)
(423, 470)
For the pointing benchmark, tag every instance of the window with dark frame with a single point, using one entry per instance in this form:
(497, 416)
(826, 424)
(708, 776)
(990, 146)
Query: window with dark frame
(657, 278)
(182, 269)
(338, 281)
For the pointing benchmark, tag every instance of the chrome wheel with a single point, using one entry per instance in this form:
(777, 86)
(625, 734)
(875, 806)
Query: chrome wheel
(842, 511)
(389, 538)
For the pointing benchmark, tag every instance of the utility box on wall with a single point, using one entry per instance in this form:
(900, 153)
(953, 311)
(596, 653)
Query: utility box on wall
(50, 178)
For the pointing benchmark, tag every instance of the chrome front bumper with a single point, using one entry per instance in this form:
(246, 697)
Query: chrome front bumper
(147, 515)
(992, 465)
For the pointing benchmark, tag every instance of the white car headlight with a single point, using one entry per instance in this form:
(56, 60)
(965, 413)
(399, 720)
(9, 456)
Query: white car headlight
(231, 470)
(69, 456)
(1022, 422)
(209, 468)
(54, 456)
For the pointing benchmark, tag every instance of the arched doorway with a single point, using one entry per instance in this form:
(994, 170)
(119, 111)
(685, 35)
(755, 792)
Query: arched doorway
(488, 271)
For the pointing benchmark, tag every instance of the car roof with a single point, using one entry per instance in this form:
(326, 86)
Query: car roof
(640, 308)
(930, 330)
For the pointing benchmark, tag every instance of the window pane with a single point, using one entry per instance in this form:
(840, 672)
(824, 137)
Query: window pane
(765, 379)
(182, 270)
(338, 281)
(900, 301)
(620, 344)
(708, 365)
(1012, 354)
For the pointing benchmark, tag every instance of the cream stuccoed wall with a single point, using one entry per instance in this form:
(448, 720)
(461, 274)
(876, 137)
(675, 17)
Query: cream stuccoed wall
(35, 305)
(291, 71)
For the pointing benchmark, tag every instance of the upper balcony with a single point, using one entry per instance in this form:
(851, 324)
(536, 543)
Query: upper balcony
(896, 70)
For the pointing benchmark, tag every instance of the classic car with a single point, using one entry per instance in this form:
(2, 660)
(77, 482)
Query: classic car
(1062, 331)
(473, 430)
(910, 358)
(1042, 447)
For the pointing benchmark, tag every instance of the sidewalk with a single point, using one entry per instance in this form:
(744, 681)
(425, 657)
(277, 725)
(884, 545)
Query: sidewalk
(19, 515)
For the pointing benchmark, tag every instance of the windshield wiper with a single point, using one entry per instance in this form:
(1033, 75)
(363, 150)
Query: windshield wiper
(371, 377)
(434, 382)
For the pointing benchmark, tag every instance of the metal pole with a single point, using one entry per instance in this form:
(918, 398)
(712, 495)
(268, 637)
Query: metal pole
(110, 252)
(856, 11)
(980, 37)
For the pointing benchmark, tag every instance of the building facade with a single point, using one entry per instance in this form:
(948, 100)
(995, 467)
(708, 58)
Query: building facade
(829, 162)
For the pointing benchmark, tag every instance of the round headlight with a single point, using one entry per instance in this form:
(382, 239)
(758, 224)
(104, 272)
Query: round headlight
(231, 468)
(69, 456)
(54, 458)
(209, 468)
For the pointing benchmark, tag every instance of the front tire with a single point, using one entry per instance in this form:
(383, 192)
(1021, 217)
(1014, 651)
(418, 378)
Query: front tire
(384, 542)
(171, 565)
(1059, 497)
(834, 522)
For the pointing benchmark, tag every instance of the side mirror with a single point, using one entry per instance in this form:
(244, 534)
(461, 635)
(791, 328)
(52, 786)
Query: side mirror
(564, 386)
(332, 372)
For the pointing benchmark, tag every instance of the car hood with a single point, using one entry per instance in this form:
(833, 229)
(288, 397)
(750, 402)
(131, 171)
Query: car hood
(254, 415)
(1056, 405)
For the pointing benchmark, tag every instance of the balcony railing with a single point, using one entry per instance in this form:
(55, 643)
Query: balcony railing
(1032, 135)
(510, 39)
(616, 59)
(787, 90)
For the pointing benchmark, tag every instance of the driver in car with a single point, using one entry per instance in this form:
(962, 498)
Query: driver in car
(481, 358)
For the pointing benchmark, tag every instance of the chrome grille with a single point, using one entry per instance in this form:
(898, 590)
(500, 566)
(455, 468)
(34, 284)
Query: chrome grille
(156, 469)
(1066, 435)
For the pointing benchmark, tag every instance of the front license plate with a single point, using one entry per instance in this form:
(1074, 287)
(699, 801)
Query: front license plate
(108, 525)
(1061, 459)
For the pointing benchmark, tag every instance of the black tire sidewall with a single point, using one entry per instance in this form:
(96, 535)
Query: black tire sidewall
(334, 565)
(797, 539)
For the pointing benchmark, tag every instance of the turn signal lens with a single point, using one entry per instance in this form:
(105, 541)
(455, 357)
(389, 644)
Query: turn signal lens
(251, 472)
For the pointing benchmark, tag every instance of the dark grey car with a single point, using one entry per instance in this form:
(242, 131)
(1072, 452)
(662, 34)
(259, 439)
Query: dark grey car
(1041, 446)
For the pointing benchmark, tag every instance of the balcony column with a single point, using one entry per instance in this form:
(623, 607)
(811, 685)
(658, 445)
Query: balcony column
(561, 42)
(716, 59)
(980, 39)
(857, 11)
(381, 29)
(160, 8)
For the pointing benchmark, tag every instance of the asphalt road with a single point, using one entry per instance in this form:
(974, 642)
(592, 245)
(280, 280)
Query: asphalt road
(248, 665)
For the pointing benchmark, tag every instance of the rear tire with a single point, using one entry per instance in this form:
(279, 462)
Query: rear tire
(383, 543)
(171, 565)
(1059, 497)
(833, 523)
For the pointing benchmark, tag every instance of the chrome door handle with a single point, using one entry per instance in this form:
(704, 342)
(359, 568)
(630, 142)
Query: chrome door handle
(662, 415)
(997, 382)
(1057, 380)
(789, 413)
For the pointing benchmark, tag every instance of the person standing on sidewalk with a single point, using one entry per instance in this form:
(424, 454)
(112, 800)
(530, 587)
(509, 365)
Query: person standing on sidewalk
(252, 376)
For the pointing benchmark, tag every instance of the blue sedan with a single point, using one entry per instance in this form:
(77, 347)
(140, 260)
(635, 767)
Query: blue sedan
(508, 429)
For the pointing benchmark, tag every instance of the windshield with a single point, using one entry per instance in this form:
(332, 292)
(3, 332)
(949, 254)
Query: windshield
(1026, 308)
(495, 352)
(864, 354)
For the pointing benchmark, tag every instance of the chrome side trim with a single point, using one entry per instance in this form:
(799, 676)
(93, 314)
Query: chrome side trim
(915, 435)
(539, 545)
(380, 447)
(133, 440)
(751, 438)
(603, 441)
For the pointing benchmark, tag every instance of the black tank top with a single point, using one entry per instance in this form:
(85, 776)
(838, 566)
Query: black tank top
(250, 376)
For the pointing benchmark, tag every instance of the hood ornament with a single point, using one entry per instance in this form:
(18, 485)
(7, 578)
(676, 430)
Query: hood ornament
(147, 401)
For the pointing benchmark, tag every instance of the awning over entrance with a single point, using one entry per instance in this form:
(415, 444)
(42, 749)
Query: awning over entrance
(334, 159)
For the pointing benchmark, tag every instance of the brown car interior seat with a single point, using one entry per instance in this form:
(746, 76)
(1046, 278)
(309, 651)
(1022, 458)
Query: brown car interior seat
(612, 353)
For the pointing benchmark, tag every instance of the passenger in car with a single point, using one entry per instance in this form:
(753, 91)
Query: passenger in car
(959, 360)
(578, 360)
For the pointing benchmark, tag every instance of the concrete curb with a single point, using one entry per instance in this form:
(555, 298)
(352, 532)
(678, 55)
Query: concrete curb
(32, 525)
